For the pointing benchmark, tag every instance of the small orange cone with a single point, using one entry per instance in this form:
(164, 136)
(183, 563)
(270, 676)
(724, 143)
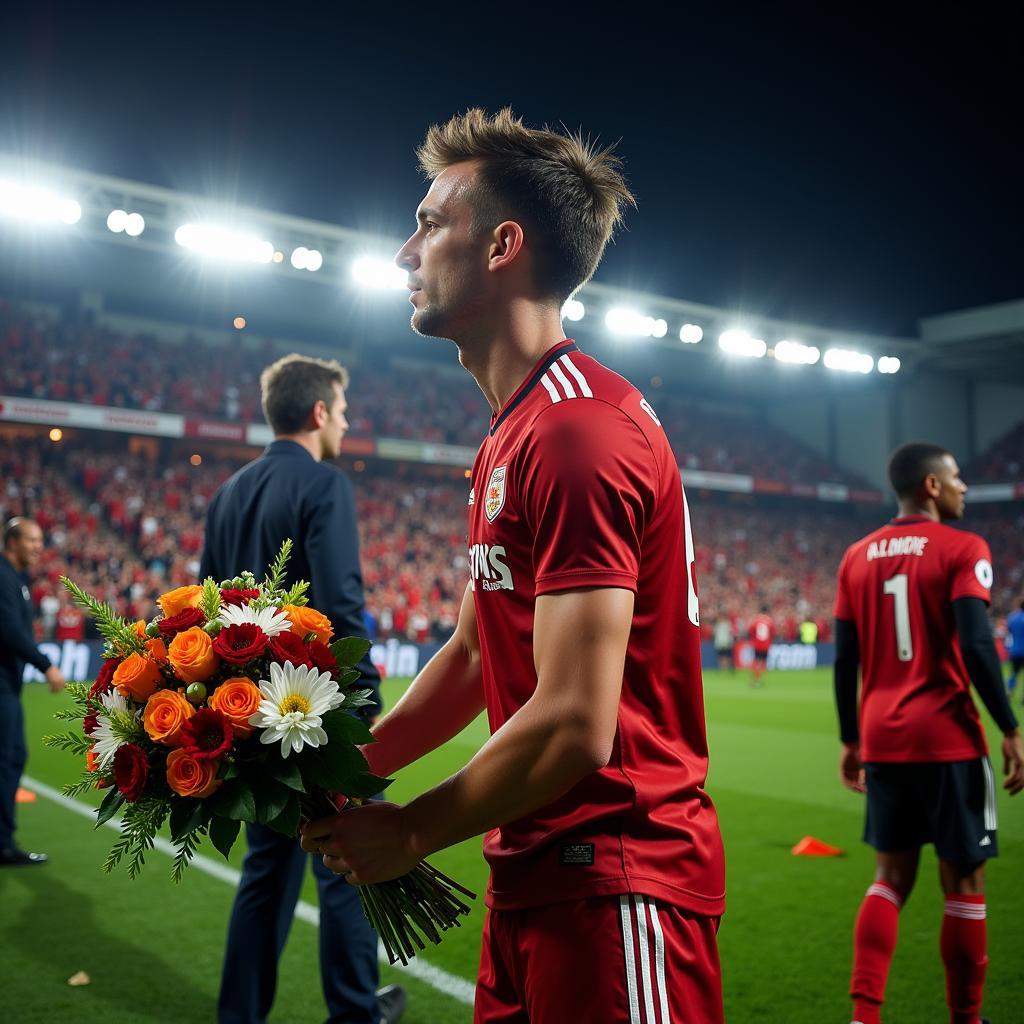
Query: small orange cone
(811, 847)
(24, 796)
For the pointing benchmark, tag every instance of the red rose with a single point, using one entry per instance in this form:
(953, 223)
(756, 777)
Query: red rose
(290, 647)
(105, 680)
(90, 723)
(131, 769)
(320, 655)
(185, 619)
(231, 596)
(240, 644)
(207, 735)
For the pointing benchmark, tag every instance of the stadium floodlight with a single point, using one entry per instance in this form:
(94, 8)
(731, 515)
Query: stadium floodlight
(27, 202)
(629, 322)
(373, 272)
(737, 342)
(691, 334)
(789, 351)
(573, 310)
(889, 364)
(223, 243)
(130, 223)
(307, 259)
(849, 361)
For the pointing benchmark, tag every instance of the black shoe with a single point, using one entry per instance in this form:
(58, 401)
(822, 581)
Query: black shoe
(14, 857)
(391, 1000)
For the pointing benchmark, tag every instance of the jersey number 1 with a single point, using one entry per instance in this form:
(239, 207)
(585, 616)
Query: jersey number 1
(896, 587)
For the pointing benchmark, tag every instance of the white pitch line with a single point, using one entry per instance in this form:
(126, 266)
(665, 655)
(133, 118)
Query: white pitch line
(458, 988)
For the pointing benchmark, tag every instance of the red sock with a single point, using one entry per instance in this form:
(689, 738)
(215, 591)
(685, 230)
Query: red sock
(874, 939)
(963, 945)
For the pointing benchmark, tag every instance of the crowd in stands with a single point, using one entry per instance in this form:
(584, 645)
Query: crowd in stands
(46, 357)
(1003, 462)
(127, 528)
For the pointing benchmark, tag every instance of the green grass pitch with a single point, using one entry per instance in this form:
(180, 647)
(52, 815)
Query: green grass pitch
(153, 950)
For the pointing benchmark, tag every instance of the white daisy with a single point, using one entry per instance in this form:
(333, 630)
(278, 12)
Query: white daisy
(293, 701)
(271, 620)
(105, 739)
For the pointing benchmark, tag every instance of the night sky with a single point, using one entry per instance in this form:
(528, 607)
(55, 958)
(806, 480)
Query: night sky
(849, 170)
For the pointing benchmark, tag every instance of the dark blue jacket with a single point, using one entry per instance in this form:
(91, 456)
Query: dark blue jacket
(17, 641)
(287, 493)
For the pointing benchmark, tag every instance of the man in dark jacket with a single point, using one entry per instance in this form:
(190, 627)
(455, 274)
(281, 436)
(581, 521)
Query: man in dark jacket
(23, 544)
(290, 492)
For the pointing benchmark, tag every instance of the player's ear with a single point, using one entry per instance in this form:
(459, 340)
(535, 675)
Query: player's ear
(506, 244)
(318, 417)
(931, 486)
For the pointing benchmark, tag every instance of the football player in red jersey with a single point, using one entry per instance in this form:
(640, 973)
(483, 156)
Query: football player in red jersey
(911, 612)
(762, 632)
(579, 631)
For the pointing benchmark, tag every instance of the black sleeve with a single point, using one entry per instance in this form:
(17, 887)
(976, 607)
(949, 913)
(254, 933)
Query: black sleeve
(207, 566)
(13, 635)
(981, 659)
(845, 675)
(332, 551)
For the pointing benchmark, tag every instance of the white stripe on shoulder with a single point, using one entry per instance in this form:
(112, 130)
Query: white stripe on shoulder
(580, 379)
(563, 380)
(551, 389)
(626, 917)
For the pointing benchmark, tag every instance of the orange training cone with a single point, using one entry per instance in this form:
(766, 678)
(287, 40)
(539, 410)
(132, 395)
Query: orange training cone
(24, 796)
(811, 847)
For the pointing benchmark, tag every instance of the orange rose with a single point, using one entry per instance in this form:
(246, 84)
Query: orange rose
(166, 712)
(92, 764)
(140, 629)
(175, 601)
(190, 777)
(157, 651)
(238, 700)
(137, 677)
(307, 620)
(192, 655)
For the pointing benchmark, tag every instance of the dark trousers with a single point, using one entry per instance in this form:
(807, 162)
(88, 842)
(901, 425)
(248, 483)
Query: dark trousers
(272, 877)
(13, 756)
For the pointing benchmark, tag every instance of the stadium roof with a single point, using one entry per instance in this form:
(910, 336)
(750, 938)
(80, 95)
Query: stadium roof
(274, 266)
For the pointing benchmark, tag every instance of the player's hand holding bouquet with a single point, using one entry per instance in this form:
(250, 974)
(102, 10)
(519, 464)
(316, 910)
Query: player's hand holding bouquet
(233, 706)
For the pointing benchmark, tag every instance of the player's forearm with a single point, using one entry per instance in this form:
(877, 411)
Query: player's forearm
(845, 680)
(981, 660)
(536, 757)
(442, 700)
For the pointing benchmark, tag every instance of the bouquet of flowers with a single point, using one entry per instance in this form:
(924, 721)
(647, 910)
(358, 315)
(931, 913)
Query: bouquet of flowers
(233, 705)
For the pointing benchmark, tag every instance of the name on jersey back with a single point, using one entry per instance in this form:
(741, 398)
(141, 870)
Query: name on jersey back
(891, 547)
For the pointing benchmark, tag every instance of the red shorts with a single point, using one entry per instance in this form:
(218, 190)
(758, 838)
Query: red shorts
(604, 960)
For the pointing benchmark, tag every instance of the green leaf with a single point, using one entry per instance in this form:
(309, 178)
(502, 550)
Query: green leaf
(110, 806)
(187, 815)
(234, 800)
(271, 799)
(209, 602)
(223, 833)
(287, 822)
(287, 771)
(229, 770)
(342, 727)
(274, 580)
(350, 650)
(348, 677)
(366, 785)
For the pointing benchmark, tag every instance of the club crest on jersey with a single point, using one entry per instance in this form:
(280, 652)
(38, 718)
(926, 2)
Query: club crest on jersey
(495, 501)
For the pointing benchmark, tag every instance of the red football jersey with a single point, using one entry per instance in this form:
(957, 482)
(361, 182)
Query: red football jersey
(576, 486)
(762, 632)
(898, 585)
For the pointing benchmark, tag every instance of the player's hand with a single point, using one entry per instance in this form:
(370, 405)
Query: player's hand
(851, 771)
(55, 679)
(365, 844)
(1013, 763)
